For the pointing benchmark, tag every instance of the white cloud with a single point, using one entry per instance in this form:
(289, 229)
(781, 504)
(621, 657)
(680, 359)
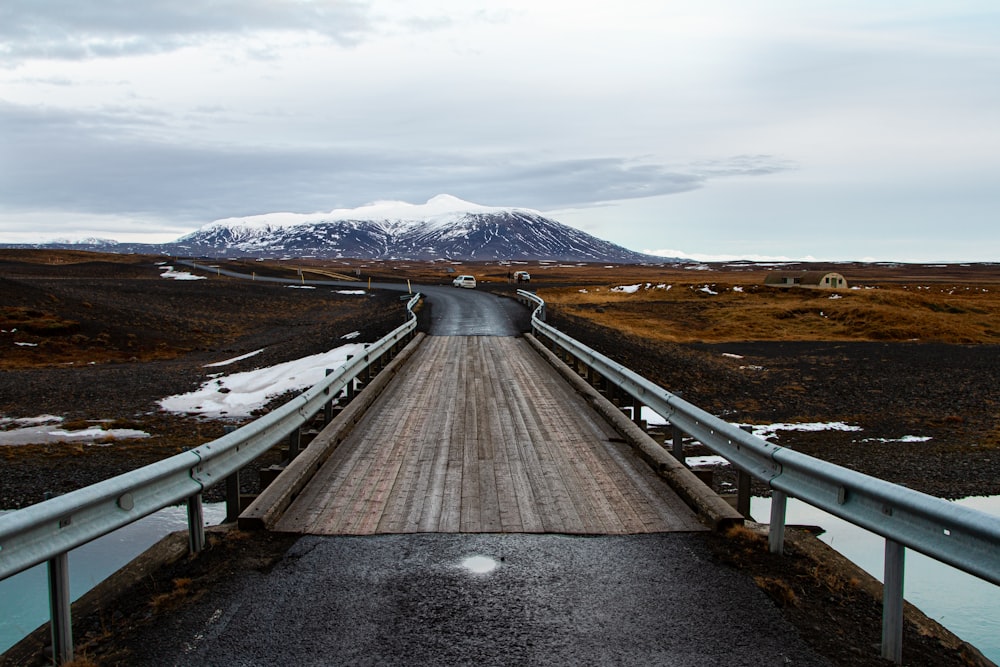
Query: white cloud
(729, 129)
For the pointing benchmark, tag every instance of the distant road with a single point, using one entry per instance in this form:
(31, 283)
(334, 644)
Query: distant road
(452, 311)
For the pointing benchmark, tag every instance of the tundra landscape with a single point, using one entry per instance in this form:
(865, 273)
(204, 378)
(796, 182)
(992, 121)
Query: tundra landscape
(906, 358)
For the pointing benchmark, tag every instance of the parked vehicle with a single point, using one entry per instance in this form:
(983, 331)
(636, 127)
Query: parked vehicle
(464, 281)
(522, 277)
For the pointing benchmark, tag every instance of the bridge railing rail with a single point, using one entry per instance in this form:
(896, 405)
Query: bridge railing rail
(47, 531)
(959, 536)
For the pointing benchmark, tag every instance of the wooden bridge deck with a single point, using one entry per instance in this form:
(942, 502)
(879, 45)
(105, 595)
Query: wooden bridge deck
(479, 434)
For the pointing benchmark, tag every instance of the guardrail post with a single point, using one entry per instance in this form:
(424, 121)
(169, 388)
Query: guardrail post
(61, 623)
(776, 531)
(196, 524)
(232, 490)
(743, 481)
(294, 442)
(328, 406)
(637, 414)
(892, 601)
(678, 444)
(351, 389)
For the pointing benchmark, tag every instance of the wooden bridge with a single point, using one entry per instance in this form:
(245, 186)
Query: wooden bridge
(475, 434)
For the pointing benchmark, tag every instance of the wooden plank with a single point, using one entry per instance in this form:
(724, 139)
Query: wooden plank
(478, 434)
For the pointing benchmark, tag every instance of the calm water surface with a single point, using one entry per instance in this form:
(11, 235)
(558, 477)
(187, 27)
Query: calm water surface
(24, 601)
(967, 606)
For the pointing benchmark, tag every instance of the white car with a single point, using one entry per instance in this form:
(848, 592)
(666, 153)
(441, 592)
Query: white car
(464, 281)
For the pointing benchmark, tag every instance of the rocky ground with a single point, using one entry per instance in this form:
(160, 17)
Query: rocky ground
(947, 393)
(134, 338)
(128, 338)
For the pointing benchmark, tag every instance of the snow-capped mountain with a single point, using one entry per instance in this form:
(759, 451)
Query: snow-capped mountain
(444, 228)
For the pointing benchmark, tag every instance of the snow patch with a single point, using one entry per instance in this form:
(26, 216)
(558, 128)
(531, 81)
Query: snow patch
(234, 359)
(766, 431)
(239, 394)
(704, 461)
(46, 434)
(167, 271)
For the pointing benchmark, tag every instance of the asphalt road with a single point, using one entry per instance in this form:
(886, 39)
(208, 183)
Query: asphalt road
(455, 311)
(451, 311)
(551, 600)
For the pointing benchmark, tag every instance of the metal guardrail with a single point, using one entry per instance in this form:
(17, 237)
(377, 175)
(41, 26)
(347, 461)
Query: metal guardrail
(962, 537)
(46, 532)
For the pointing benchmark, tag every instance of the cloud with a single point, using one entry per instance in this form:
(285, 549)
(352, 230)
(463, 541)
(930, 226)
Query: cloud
(80, 29)
(109, 163)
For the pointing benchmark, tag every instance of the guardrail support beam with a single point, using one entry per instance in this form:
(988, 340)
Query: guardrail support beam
(233, 497)
(743, 481)
(776, 531)
(892, 601)
(59, 609)
(678, 444)
(328, 406)
(196, 524)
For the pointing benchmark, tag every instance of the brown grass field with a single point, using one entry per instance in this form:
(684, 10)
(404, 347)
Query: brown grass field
(957, 304)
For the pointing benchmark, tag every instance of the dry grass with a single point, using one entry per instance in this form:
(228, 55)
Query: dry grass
(778, 590)
(724, 312)
(172, 598)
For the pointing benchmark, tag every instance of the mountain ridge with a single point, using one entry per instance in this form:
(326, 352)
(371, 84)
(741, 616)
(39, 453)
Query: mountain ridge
(445, 227)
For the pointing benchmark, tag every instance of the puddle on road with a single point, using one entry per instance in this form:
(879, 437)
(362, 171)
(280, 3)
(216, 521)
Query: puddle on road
(479, 564)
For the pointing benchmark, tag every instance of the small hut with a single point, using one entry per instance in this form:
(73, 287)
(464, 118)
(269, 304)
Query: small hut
(811, 279)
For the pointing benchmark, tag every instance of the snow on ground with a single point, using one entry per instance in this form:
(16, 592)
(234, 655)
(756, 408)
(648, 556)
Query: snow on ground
(239, 394)
(707, 290)
(26, 344)
(168, 272)
(234, 359)
(349, 291)
(766, 431)
(45, 429)
(700, 461)
(732, 356)
(627, 289)
(905, 438)
(301, 286)
(351, 336)
(30, 421)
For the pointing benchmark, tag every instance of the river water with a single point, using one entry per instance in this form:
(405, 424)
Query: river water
(966, 605)
(24, 602)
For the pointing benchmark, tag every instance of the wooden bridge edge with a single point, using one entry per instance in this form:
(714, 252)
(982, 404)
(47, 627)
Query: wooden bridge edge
(710, 508)
(267, 508)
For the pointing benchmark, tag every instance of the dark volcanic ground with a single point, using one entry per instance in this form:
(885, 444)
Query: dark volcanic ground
(950, 393)
(137, 338)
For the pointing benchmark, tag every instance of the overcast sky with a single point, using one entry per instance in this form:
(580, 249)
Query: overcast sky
(836, 129)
